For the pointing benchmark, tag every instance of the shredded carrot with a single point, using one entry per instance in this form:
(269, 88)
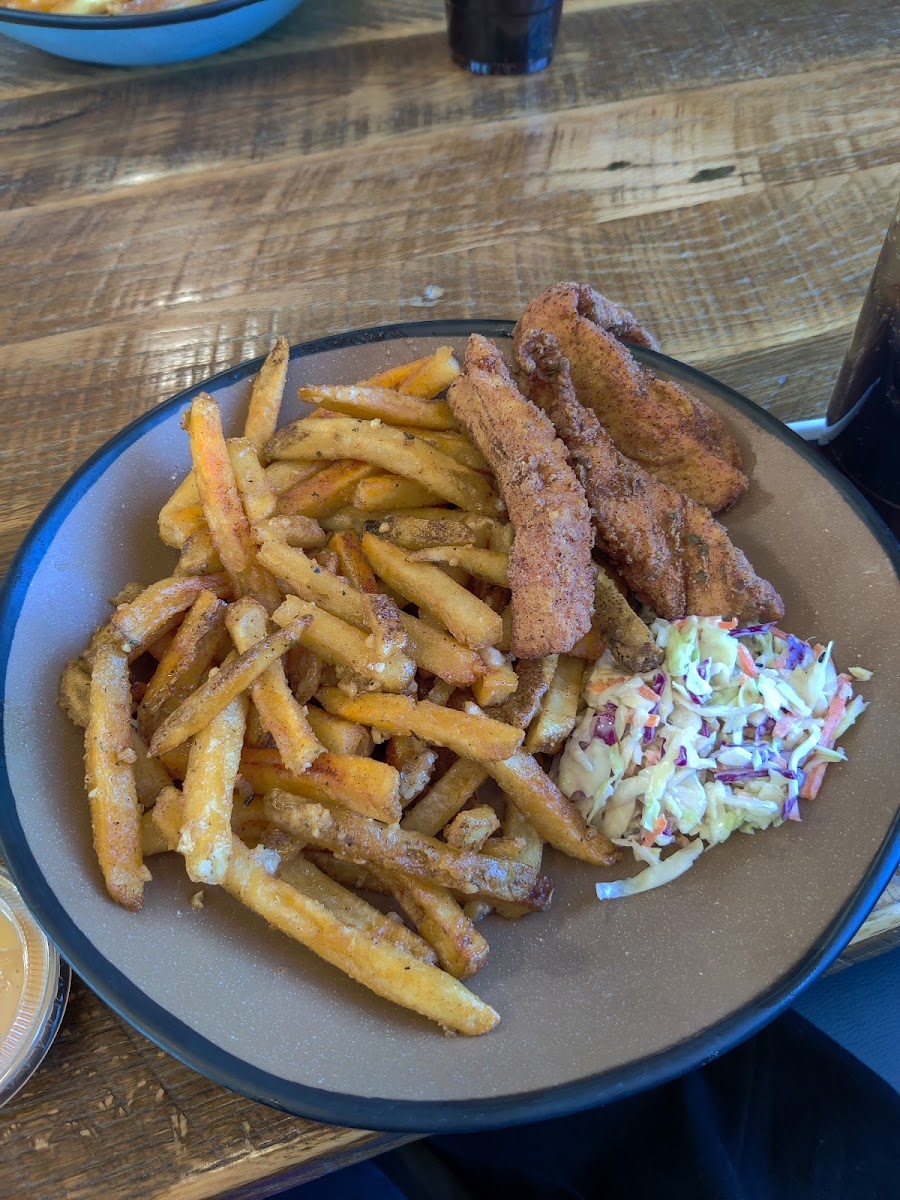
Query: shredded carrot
(783, 725)
(598, 686)
(813, 781)
(647, 693)
(779, 663)
(833, 716)
(650, 835)
(732, 624)
(779, 633)
(746, 661)
(652, 721)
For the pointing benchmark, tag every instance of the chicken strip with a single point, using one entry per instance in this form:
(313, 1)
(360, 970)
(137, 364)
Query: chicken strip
(551, 573)
(671, 552)
(657, 423)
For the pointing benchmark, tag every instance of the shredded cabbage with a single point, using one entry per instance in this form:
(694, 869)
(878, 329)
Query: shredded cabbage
(715, 742)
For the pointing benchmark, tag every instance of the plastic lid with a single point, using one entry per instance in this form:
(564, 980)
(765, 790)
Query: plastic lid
(43, 989)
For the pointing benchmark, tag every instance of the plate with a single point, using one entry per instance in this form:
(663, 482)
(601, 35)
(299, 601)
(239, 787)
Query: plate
(597, 1000)
(146, 39)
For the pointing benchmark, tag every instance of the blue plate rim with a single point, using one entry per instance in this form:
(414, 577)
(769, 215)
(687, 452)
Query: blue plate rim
(157, 20)
(373, 1112)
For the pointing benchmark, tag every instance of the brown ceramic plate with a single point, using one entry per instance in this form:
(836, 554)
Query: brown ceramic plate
(597, 999)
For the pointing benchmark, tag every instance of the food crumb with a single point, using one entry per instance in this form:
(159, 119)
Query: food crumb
(197, 899)
(861, 673)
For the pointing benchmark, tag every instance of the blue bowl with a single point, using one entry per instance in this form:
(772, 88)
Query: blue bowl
(150, 39)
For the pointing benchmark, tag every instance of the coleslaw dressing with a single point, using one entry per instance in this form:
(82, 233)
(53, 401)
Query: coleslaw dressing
(12, 973)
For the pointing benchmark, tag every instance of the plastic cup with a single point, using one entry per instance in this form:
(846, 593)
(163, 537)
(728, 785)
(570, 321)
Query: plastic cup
(502, 37)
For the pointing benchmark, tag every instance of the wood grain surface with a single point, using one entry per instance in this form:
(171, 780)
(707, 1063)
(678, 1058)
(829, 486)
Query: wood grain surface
(726, 170)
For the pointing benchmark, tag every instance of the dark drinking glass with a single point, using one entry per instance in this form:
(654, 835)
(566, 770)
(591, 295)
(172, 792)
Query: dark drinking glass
(862, 432)
(502, 37)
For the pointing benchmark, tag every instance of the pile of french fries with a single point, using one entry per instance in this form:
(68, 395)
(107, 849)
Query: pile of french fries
(308, 706)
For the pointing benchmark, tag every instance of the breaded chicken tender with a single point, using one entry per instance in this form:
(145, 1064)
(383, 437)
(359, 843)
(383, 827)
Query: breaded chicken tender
(655, 422)
(551, 572)
(670, 551)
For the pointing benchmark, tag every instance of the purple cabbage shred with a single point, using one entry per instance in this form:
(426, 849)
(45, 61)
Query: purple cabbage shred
(798, 653)
(605, 725)
(748, 629)
(740, 776)
(681, 757)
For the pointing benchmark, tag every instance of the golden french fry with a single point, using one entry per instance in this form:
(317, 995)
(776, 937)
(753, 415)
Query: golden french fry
(380, 493)
(556, 719)
(281, 715)
(195, 647)
(159, 607)
(382, 967)
(455, 445)
(223, 686)
(325, 492)
(416, 533)
(444, 799)
(253, 487)
(337, 735)
(205, 840)
(198, 555)
(431, 378)
(369, 402)
(74, 695)
(526, 846)
(414, 762)
(282, 476)
(440, 654)
(498, 681)
(472, 735)
(352, 563)
(364, 785)
(112, 791)
(394, 376)
(467, 618)
(299, 531)
(461, 949)
(491, 565)
(182, 513)
(348, 874)
(349, 835)
(336, 641)
(304, 673)
(390, 449)
(471, 828)
(225, 515)
(267, 394)
(150, 776)
(300, 873)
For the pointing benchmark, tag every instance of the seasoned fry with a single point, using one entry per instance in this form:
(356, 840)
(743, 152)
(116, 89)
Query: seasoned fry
(394, 376)
(216, 485)
(623, 630)
(335, 641)
(498, 682)
(414, 762)
(267, 394)
(380, 966)
(380, 493)
(352, 563)
(337, 735)
(471, 734)
(205, 840)
(74, 694)
(472, 827)
(300, 873)
(325, 492)
(527, 846)
(253, 487)
(160, 605)
(296, 530)
(439, 654)
(282, 476)
(364, 785)
(444, 799)
(455, 445)
(466, 617)
(491, 565)
(150, 776)
(198, 555)
(196, 646)
(461, 949)
(222, 687)
(182, 513)
(350, 875)
(112, 792)
(432, 377)
(420, 532)
(304, 673)
(369, 402)
(556, 720)
(280, 713)
(390, 449)
(363, 840)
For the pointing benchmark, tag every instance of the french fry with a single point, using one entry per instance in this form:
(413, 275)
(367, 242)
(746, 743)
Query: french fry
(74, 694)
(623, 630)
(304, 673)
(267, 394)
(471, 828)
(414, 762)
(358, 838)
(380, 493)
(440, 654)
(491, 565)
(205, 840)
(394, 376)
(348, 874)
(530, 849)
(253, 487)
(198, 555)
(150, 776)
(299, 531)
(461, 949)
(336, 641)
(352, 563)
(112, 791)
(225, 515)
(390, 449)
(467, 618)
(281, 715)
(197, 643)
(337, 735)
(365, 785)
(382, 967)
(445, 798)
(208, 700)
(455, 445)
(432, 377)
(325, 492)
(498, 681)
(300, 873)
(556, 719)
(159, 607)
(282, 476)
(257, 734)
(471, 734)
(182, 513)
(418, 530)
(369, 402)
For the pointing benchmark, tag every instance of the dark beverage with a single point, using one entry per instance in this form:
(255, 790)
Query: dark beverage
(502, 37)
(862, 433)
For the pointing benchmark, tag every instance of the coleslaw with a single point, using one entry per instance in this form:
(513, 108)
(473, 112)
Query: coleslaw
(735, 728)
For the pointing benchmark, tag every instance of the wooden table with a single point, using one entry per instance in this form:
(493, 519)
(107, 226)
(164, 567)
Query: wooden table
(725, 169)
